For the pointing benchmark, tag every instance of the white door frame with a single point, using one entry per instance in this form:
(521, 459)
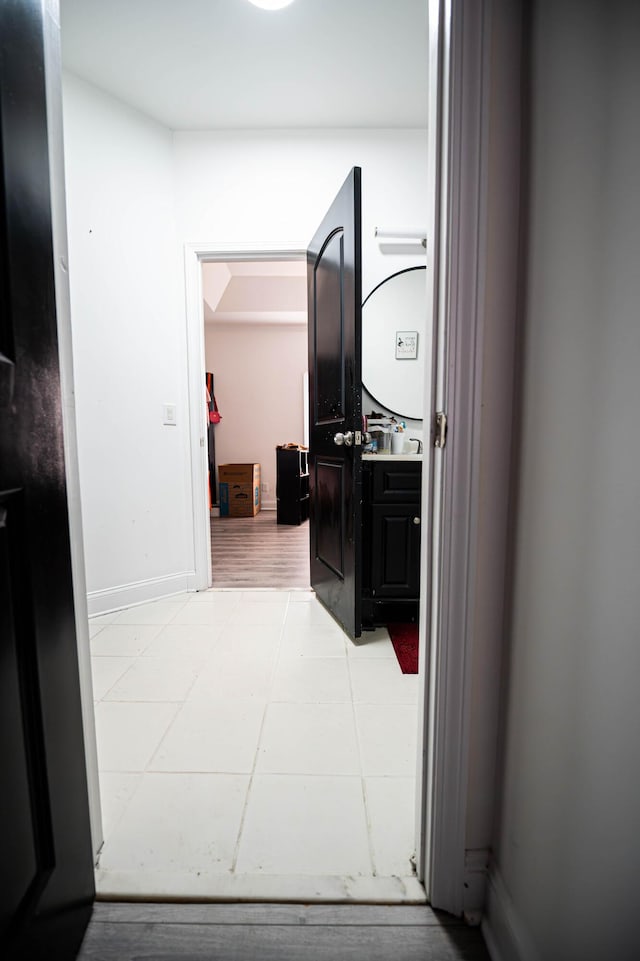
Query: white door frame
(53, 80)
(457, 130)
(195, 255)
(456, 253)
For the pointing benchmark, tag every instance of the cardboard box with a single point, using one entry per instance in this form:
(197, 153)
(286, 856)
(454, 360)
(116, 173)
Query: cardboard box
(239, 486)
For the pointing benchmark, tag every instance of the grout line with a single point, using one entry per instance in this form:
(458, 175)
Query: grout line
(268, 701)
(362, 781)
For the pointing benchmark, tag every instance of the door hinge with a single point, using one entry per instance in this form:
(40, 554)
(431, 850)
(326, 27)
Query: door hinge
(440, 438)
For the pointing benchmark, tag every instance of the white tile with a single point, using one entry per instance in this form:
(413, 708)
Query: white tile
(309, 739)
(103, 619)
(304, 825)
(126, 640)
(215, 736)
(380, 681)
(105, 671)
(227, 676)
(249, 639)
(95, 628)
(301, 597)
(179, 822)
(199, 612)
(391, 810)
(310, 640)
(116, 790)
(155, 612)
(265, 613)
(194, 641)
(388, 738)
(372, 644)
(215, 596)
(154, 885)
(311, 613)
(155, 679)
(306, 816)
(311, 680)
(272, 598)
(128, 733)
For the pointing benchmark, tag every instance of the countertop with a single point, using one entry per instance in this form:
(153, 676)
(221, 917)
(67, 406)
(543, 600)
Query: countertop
(392, 456)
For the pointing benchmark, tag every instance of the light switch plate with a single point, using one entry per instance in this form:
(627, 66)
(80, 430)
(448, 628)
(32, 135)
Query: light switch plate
(169, 415)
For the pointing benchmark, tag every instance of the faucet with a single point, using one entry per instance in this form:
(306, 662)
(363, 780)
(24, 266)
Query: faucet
(419, 443)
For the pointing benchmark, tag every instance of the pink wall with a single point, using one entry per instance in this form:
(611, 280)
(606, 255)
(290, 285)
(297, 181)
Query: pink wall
(258, 372)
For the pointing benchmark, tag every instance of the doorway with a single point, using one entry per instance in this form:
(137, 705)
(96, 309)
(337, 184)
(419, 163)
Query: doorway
(255, 355)
(442, 740)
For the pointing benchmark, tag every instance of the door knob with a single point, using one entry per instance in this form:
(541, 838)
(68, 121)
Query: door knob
(346, 439)
(416, 520)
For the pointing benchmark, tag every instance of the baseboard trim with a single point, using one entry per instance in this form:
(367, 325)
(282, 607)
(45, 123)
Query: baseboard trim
(503, 930)
(476, 865)
(139, 592)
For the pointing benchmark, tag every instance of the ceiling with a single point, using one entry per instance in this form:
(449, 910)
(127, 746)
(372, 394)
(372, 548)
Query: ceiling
(255, 292)
(225, 64)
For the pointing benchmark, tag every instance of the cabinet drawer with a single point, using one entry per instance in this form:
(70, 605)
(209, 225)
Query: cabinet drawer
(397, 483)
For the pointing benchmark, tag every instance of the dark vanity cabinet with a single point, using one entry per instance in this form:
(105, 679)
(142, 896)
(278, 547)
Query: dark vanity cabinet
(390, 541)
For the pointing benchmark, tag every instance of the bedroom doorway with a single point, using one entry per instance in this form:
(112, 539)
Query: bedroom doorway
(254, 315)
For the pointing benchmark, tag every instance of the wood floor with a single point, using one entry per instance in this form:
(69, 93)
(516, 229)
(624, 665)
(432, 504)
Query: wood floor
(254, 552)
(277, 932)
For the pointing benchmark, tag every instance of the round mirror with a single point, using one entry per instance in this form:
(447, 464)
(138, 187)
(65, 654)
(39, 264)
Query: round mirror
(393, 324)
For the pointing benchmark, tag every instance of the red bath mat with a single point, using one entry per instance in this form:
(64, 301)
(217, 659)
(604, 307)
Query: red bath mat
(404, 638)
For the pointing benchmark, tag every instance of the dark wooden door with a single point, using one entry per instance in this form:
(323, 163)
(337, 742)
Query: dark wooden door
(46, 869)
(335, 407)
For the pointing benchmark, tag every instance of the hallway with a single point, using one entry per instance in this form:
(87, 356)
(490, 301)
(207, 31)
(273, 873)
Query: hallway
(248, 749)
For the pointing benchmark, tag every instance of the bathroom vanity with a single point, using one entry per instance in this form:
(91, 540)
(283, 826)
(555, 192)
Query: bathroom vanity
(391, 500)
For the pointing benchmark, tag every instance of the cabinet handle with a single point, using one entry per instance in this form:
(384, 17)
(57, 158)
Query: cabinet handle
(416, 520)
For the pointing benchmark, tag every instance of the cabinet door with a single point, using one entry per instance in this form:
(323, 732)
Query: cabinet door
(395, 554)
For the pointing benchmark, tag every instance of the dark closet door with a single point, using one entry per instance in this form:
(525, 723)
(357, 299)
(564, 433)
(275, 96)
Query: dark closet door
(335, 407)
(46, 869)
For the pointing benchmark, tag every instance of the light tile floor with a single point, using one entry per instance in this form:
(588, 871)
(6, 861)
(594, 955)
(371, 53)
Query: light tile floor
(248, 749)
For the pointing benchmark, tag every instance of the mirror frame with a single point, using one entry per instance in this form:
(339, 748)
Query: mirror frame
(398, 273)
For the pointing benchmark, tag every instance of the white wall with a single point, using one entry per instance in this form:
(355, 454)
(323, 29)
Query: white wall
(277, 185)
(258, 372)
(129, 354)
(566, 844)
(124, 174)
